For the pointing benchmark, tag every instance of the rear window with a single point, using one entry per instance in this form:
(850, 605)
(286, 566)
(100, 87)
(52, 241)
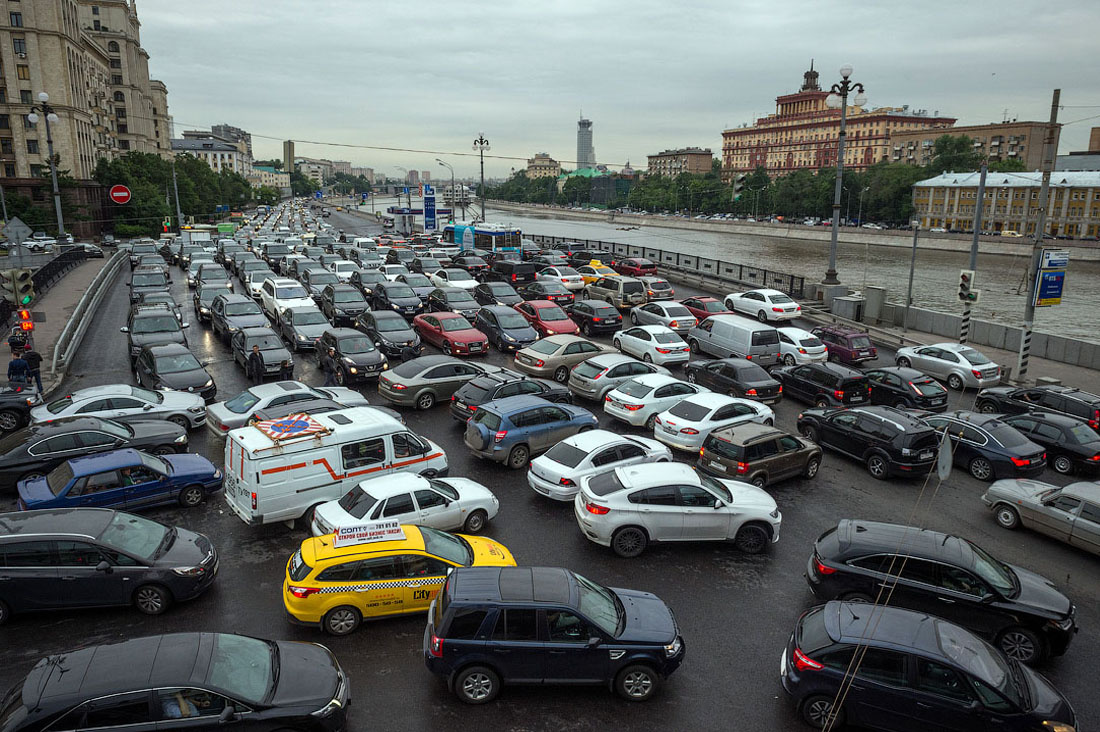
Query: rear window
(544, 347)
(975, 358)
(487, 418)
(567, 455)
(662, 285)
(689, 411)
(810, 342)
(928, 388)
(604, 483)
(299, 570)
(587, 370)
(859, 382)
(633, 287)
(1007, 436)
(722, 448)
(635, 389)
(473, 392)
(667, 338)
(409, 369)
(677, 311)
(812, 635)
(859, 341)
(465, 624)
(769, 337)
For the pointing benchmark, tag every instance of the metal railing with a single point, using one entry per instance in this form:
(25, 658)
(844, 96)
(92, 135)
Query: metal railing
(745, 274)
(73, 332)
(49, 271)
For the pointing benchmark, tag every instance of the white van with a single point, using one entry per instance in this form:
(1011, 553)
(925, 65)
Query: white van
(271, 478)
(731, 336)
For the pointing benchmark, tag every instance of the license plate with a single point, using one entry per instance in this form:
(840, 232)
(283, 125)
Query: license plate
(460, 405)
(717, 465)
(856, 399)
(927, 455)
(668, 429)
(938, 402)
(475, 346)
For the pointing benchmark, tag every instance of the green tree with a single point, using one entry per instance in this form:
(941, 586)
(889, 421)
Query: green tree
(577, 189)
(1010, 165)
(954, 153)
(300, 185)
(267, 195)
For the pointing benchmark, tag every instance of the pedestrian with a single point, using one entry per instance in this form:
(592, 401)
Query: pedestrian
(286, 371)
(328, 367)
(408, 353)
(18, 370)
(34, 366)
(255, 367)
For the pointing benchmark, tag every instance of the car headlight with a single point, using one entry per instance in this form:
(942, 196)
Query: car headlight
(549, 332)
(395, 306)
(1064, 624)
(209, 383)
(1058, 726)
(196, 410)
(204, 310)
(353, 370)
(162, 387)
(507, 337)
(181, 440)
(348, 360)
(674, 647)
(189, 571)
(774, 514)
(135, 350)
(232, 328)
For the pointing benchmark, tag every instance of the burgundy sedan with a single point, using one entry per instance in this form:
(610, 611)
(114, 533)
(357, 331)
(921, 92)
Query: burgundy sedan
(704, 307)
(452, 333)
(547, 318)
(634, 267)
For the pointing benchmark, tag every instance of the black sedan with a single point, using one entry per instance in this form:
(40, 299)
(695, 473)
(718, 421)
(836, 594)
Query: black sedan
(16, 401)
(419, 283)
(39, 448)
(171, 366)
(473, 264)
(366, 281)
(390, 332)
(987, 447)
(272, 350)
(555, 292)
(301, 327)
(505, 328)
(736, 377)
(142, 684)
(1072, 446)
(906, 388)
(397, 297)
(357, 358)
(453, 299)
(496, 293)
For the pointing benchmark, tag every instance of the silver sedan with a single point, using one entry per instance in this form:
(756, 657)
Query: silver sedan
(1070, 514)
(960, 365)
(672, 315)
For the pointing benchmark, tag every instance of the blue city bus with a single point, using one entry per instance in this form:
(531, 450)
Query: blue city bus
(490, 237)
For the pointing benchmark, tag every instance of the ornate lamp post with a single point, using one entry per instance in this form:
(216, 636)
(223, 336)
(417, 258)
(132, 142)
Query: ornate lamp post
(50, 116)
(838, 97)
(480, 146)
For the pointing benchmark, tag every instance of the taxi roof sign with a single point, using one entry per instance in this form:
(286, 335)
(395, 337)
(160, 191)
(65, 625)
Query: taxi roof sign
(368, 533)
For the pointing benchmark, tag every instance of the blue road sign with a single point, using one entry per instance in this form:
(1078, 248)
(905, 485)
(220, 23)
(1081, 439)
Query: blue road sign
(1049, 291)
(318, 194)
(405, 191)
(365, 196)
(428, 190)
(429, 211)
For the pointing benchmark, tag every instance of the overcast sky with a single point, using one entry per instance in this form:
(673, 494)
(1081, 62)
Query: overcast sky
(650, 74)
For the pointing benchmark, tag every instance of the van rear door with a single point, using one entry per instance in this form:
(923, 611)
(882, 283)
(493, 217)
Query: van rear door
(237, 492)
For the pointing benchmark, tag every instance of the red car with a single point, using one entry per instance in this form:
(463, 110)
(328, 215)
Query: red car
(704, 307)
(634, 267)
(451, 332)
(547, 318)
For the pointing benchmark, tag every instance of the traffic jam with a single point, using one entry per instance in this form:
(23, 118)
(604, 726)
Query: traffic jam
(404, 397)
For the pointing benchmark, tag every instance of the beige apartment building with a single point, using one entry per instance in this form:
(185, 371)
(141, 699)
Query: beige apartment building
(543, 166)
(695, 160)
(1011, 202)
(1003, 141)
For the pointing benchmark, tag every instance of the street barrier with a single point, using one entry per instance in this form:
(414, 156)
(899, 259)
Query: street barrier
(73, 332)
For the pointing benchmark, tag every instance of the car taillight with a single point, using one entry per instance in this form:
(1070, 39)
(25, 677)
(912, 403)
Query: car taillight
(1095, 458)
(742, 468)
(798, 309)
(780, 389)
(838, 394)
(500, 435)
(671, 292)
(777, 310)
(977, 374)
(632, 407)
(564, 281)
(253, 500)
(748, 358)
(597, 376)
(223, 427)
(802, 350)
(435, 646)
(657, 420)
(596, 508)
(303, 592)
(513, 278)
(595, 320)
(566, 482)
(1095, 421)
(750, 392)
(802, 662)
(673, 324)
(540, 363)
(1020, 462)
(664, 350)
(821, 568)
(398, 386)
(689, 431)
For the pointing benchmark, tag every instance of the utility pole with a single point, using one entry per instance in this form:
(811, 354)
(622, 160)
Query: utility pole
(4, 202)
(964, 327)
(912, 269)
(176, 190)
(1050, 148)
(481, 145)
(49, 116)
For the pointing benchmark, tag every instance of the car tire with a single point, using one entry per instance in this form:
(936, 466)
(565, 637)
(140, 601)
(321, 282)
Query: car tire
(651, 422)
(629, 542)
(586, 329)
(637, 682)
(694, 346)
(817, 712)
(901, 404)
(475, 522)
(1022, 645)
(812, 466)
(447, 348)
(476, 685)
(634, 318)
(833, 358)
(809, 432)
(518, 457)
(561, 374)
(180, 420)
(425, 400)
(752, 539)
(152, 599)
(788, 360)
(955, 382)
(878, 467)
(762, 316)
(1007, 516)
(857, 597)
(618, 345)
(341, 377)
(342, 620)
(191, 496)
(760, 480)
(981, 469)
(647, 358)
(987, 407)
(1062, 464)
(903, 362)
(822, 404)
(32, 475)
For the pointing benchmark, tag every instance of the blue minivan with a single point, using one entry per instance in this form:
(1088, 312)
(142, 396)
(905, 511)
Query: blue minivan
(512, 429)
(126, 479)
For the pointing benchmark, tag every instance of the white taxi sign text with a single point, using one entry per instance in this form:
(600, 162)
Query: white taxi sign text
(368, 533)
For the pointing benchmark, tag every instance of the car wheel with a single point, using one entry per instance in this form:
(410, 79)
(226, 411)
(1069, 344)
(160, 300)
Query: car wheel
(9, 420)
(33, 475)
(769, 422)
(651, 421)
(751, 539)
(152, 599)
(5, 613)
(834, 358)
(477, 685)
(822, 404)
(987, 407)
(1021, 644)
(981, 469)
(694, 346)
(762, 316)
(561, 374)
(1007, 516)
(759, 481)
(903, 362)
(475, 522)
(812, 466)
(857, 597)
(955, 382)
(809, 432)
(634, 318)
(191, 496)
(629, 542)
(901, 404)
(447, 347)
(425, 400)
(618, 345)
(341, 620)
(1062, 464)
(180, 420)
(647, 358)
(878, 467)
(586, 329)
(788, 360)
(341, 377)
(519, 457)
(637, 683)
(817, 711)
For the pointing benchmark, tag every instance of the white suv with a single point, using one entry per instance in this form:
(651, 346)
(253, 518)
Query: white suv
(279, 293)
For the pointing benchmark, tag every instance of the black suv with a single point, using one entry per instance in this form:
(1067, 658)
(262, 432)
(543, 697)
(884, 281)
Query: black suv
(490, 626)
(152, 324)
(887, 440)
(476, 392)
(342, 303)
(824, 384)
(906, 388)
(1061, 399)
(16, 401)
(357, 358)
(988, 447)
(390, 332)
(1020, 611)
(511, 271)
(596, 316)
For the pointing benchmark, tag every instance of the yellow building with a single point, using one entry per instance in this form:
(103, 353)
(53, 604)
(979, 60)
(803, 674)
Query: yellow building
(1002, 141)
(543, 166)
(1011, 202)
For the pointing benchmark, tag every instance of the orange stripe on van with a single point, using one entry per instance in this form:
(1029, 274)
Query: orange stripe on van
(352, 474)
(282, 468)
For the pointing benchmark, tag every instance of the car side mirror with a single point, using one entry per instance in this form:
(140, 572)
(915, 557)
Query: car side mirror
(229, 714)
(147, 407)
(594, 641)
(103, 566)
(717, 504)
(185, 325)
(974, 706)
(988, 598)
(124, 329)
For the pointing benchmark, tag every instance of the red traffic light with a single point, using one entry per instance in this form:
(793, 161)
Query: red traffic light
(24, 314)
(26, 325)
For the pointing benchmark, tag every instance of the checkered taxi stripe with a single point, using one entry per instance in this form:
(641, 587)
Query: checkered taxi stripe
(382, 585)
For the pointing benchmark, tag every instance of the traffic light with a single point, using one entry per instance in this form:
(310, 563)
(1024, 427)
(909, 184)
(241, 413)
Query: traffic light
(25, 321)
(738, 185)
(7, 285)
(24, 286)
(966, 282)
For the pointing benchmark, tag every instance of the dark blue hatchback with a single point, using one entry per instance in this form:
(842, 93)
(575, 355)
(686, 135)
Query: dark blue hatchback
(126, 479)
(505, 328)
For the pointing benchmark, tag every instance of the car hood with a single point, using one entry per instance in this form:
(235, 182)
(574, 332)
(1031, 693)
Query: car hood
(470, 490)
(408, 301)
(508, 300)
(307, 674)
(35, 490)
(464, 335)
(180, 400)
(184, 380)
(312, 331)
(275, 355)
(1039, 593)
(998, 390)
(186, 550)
(746, 495)
(154, 432)
(358, 307)
(1046, 701)
(1011, 488)
(256, 320)
(189, 465)
(344, 395)
(648, 618)
(366, 358)
(526, 333)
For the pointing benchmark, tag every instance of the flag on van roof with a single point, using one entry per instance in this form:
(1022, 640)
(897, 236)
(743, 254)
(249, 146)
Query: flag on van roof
(294, 425)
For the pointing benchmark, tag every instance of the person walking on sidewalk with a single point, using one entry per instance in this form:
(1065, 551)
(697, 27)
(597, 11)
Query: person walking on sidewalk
(256, 366)
(328, 367)
(18, 370)
(34, 366)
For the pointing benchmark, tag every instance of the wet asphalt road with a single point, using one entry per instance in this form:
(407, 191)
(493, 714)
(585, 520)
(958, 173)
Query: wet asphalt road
(735, 611)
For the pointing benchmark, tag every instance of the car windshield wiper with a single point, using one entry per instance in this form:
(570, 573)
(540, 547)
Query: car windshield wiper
(166, 543)
(620, 615)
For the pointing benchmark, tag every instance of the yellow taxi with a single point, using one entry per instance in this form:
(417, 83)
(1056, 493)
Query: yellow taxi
(336, 587)
(594, 270)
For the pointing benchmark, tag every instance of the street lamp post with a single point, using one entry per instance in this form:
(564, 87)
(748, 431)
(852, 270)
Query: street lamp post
(50, 116)
(480, 146)
(859, 216)
(838, 97)
(448, 167)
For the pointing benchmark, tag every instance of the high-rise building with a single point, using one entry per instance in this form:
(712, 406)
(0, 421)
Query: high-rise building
(425, 176)
(288, 156)
(412, 177)
(684, 160)
(341, 166)
(586, 154)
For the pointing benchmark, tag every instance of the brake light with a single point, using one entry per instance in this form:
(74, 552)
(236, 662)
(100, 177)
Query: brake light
(632, 407)
(1095, 458)
(798, 309)
(595, 320)
(822, 568)
(500, 435)
(671, 292)
(802, 662)
(689, 431)
(596, 508)
(977, 374)
(742, 468)
(597, 376)
(748, 358)
(702, 450)
(565, 280)
(223, 427)
(673, 324)
(513, 277)
(657, 420)
(540, 363)
(1095, 421)
(566, 482)
(1020, 462)
(838, 394)
(802, 350)
(435, 646)
(303, 592)
(398, 386)
(253, 500)
(777, 310)
(664, 350)
(780, 389)
(914, 388)
(750, 392)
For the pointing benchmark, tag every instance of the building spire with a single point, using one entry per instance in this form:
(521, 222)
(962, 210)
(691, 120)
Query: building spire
(809, 79)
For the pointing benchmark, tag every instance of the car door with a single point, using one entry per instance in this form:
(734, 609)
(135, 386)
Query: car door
(658, 510)
(146, 487)
(130, 711)
(517, 648)
(946, 701)
(838, 432)
(423, 577)
(192, 708)
(438, 511)
(98, 490)
(28, 571)
(128, 409)
(1086, 528)
(570, 658)
(797, 383)
(705, 517)
(540, 425)
(1056, 516)
(80, 584)
(880, 693)
(429, 329)
(730, 415)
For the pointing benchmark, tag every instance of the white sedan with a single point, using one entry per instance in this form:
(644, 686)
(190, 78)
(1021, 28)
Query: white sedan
(343, 268)
(125, 403)
(449, 504)
(558, 473)
(638, 401)
(686, 425)
(453, 277)
(797, 346)
(653, 344)
(764, 305)
(393, 271)
(568, 276)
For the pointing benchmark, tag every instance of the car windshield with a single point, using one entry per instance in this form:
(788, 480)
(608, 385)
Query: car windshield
(500, 288)
(310, 317)
(58, 478)
(357, 502)
(551, 313)
(447, 546)
(394, 291)
(460, 298)
(690, 411)
(511, 320)
(358, 344)
(715, 487)
(177, 363)
(389, 324)
(713, 307)
(322, 278)
(450, 325)
(242, 402)
(155, 324)
(348, 296)
(978, 659)
(458, 275)
(152, 279)
(135, 535)
(989, 569)
(599, 605)
(417, 280)
(287, 293)
(667, 338)
(242, 308)
(566, 454)
(545, 347)
(267, 342)
(974, 357)
(243, 667)
(927, 387)
(207, 294)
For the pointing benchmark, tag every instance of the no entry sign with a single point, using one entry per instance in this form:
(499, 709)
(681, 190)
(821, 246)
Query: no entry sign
(120, 194)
